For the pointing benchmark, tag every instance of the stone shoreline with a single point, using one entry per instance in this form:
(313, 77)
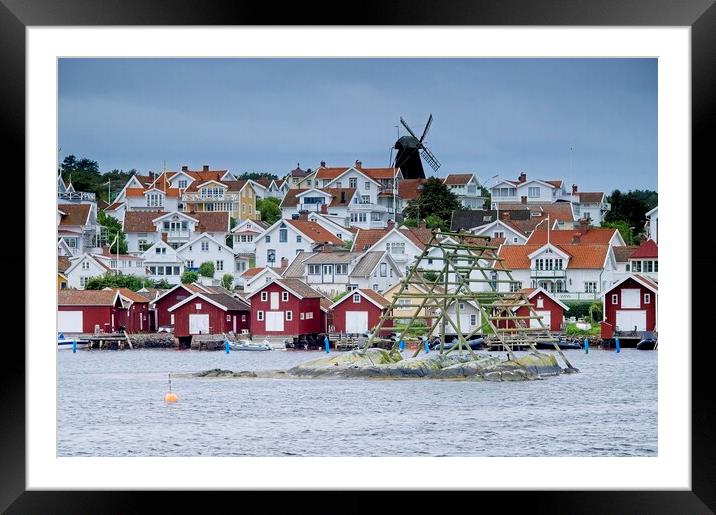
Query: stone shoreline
(381, 364)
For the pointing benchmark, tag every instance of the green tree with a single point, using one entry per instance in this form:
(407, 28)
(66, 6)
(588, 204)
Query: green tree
(348, 244)
(162, 284)
(435, 199)
(227, 281)
(339, 296)
(410, 222)
(435, 222)
(189, 277)
(431, 276)
(268, 207)
(206, 269)
(631, 207)
(626, 232)
(114, 227)
(255, 176)
(112, 280)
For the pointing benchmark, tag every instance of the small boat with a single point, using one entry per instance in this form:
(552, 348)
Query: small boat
(562, 344)
(247, 345)
(68, 343)
(647, 344)
(474, 344)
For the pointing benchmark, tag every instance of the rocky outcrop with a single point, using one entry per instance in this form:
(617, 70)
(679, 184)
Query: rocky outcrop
(152, 340)
(382, 364)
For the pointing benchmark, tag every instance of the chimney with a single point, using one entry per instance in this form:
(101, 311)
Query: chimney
(184, 168)
(576, 238)
(165, 237)
(323, 164)
(523, 200)
(523, 177)
(504, 215)
(359, 164)
(390, 224)
(422, 224)
(583, 226)
(205, 168)
(574, 189)
(151, 174)
(284, 262)
(324, 209)
(343, 197)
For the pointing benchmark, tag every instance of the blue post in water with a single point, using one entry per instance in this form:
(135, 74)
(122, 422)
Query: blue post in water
(74, 345)
(586, 345)
(226, 346)
(427, 346)
(327, 343)
(402, 345)
(618, 348)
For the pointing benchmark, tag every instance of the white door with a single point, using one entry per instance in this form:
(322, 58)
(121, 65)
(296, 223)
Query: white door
(627, 320)
(356, 321)
(546, 319)
(631, 298)
(198, 324)
(69, 321)
(274, 320)
(274, 300)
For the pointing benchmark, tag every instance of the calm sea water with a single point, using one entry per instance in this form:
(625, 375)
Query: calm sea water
(111, 404)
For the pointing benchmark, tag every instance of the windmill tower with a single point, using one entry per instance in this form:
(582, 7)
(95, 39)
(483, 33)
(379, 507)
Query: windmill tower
(410, 149)
(471, 271)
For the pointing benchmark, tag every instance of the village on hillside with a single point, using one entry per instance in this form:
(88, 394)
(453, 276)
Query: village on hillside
(187, 252)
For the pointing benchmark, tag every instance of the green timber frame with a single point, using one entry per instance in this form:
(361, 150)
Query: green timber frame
(471, 272)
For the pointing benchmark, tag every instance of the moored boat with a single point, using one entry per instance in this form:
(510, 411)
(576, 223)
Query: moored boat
(68, 343)
(647, 344)
(248, 345)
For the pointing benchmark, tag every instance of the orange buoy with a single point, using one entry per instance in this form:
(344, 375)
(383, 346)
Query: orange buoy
(171, 397)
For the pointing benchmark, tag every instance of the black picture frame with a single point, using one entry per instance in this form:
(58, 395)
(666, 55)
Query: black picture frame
(700, 15)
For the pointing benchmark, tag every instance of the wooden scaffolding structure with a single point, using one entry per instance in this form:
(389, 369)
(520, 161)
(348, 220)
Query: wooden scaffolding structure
(470, 271)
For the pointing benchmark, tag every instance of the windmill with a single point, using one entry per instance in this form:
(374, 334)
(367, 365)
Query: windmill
(410, 148)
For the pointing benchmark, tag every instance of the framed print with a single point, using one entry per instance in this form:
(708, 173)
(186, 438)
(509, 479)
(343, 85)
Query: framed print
(226, 181)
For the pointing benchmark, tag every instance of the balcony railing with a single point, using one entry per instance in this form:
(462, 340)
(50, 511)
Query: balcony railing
(76, 195)
(198, 197)
(548, 274)
(577, 295)
(178, 235)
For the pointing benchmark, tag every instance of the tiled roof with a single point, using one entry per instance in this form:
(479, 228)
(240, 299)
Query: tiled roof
(367, 264)
(232, 303)
(329, 173)
(314, 231)
(211, 221)
(326, 303)
(465, 219)
(581, 256)
(556, 184)
(599, 235)
(379, 173)
(366, 238)
(648, 280)
(133, 295)
(458, 178)
(203, 176)
(263, 182)
(622, 254)
(114, 205)
(648, 249)
(141, 221)
(299, 287)
(86, 297)
(63, 263)
(296, 268)
(75, 214)
(420, 236)
(253, 271)
(370, 294)
(331, 257)
(593, 197)
(561, 211)
(409, 189)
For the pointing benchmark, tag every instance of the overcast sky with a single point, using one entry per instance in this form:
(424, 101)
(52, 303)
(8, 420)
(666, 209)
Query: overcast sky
(491, 116)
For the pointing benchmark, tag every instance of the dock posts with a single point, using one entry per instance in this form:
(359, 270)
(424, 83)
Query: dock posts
(226, 346)
(427, 345)
(327, 344)
(402, 345)
(617, 344)
(74, 346)
(586, 345)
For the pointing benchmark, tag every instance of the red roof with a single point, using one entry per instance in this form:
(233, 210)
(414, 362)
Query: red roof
(409, 189)
(599, 235)
(366, 238)
(516, 257)
(458, 178)
(86, 297)
(314, 231)
(593, 197)
(74, 214)
(648, 249)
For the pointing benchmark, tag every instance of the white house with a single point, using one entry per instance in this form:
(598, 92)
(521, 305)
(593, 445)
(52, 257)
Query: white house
(570, 271)
(652, 225)
(162, 262)
(254, 278)
(286, 238)
(333, 202)
(339, 231)
(501, 229)
(466, 188)
(335, 272)
(205, 248)
(82, 269)
(125, 264)
(277, 188)
(144, 228)
(244, 234)
(152, 199)
(77, 225)
(534, 190)
(403, 244)
(470, 319)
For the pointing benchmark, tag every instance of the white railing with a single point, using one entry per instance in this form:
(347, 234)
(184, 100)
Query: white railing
(577, 296)
(548, 274)
(198, 197)
(76, 195)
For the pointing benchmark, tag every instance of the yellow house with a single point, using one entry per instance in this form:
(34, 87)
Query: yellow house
(408, 309)
(236, 197)
(61, 281)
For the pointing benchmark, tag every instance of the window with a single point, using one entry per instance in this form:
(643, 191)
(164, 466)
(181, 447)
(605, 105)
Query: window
(358, 217)
(365, 199)
(533, 192)
(205, 246)
(590, 287)
(314, 269)
(649, 266)
(540, 302)
(309, 315)
(627, 267)
(339, 185)
(299, 239)
(197, 305)
(367, 186)
(615, 298)
(515, 286)
(473, 319)
(499, 234)
(268, 239)
(376, 217)
(353, 182)
(83, 281)
(283, 235)
(303, 316)
(176, 270)
(85, 265)
(395, 248)
(341, 269)
(636, 266)
(383, 269)
(220, 266)
(356, 298)
(375, 287)
(259, 315)
(190, 263)
(284, 296)
(271, 255)
(289, 315)
(647, 298)
(181, 184)
(228, 318)
(155, 200)
(656, 266)
(243, 318)
(264, 296)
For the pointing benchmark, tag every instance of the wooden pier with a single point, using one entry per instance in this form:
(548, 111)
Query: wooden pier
(111, 341)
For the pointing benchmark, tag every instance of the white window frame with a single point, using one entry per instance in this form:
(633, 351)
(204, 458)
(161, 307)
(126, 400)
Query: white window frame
(615, 298)
(356, 298)
(260, 316)
(647, 298)
(264, 296)
(289, 316)
(284, 296)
